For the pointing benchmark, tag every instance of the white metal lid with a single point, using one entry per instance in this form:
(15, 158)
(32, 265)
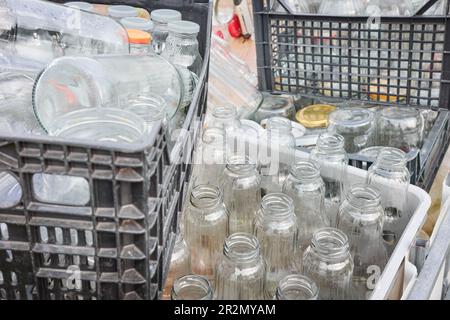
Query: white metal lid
(165, 15)
(80, 5)
(137, 23)
(183, 27)
(121, 11)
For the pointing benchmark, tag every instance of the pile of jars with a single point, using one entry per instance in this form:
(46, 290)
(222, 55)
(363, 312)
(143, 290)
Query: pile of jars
(292, 228)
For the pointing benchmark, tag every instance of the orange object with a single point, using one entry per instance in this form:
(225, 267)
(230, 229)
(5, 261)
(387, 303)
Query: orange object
(138, 36)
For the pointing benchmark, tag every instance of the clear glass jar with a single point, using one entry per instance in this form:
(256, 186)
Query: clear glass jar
(161, 18)
(182, 46)
(305, 186)
(192, 287)
(361, 218)
(356, 125)
(390, 169)
(328, 262)
(36, 32)
(242, 192)
(206, 227)
(138, 23)
(275, 106)
(152, 109)
(223, 117)
(297, 287)
(333, 160)
(241, 271)
(139, 42)
(72, 83)
(400, 127)
(276, 230)
(180, 264)
(276, 154)
(17, 116)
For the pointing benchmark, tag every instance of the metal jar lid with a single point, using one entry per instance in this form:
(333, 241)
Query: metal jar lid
(315, 116)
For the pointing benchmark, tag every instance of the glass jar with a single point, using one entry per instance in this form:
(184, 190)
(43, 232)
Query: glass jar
(276, 230)
(400, 127)
(72, 83)
(297, 287)
(333, 160)
(242, 192)
(118, 12)
(179, 264)
(241, 271)
(393, 8)
(161, 18)
(390, 169)
(206, 227)
(356, 125)
(361, 218)
(275, 106)
(138, 23)
(35, 32)
(152, 109)
(276, 154)
(182, 46)
(17, 116)
(328, 262)
(139, 42)
(192, 287)
(224, 117)
(305, 186)
(341, 7)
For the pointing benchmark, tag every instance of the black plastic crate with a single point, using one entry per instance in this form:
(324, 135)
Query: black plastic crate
(118, 245)
(401, 61)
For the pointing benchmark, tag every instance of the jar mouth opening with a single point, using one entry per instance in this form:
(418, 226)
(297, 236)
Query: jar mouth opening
(297, 287)
(242, 247)
(225, 112)
(391, 157)
(279, 124)
(192, 287)
(240, 164)
(351, 117)
(305, 170)
(331, 141)
(364, 196)
(206, 196)
(277, 205)
(330, 242)
(399, 113)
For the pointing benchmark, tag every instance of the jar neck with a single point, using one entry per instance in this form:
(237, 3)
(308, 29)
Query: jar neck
(391, 159)
(225, 114)
(279, 125)
(206, 196)
(305, 171)
(241, 165)
(297, 287)
(242, 248)
(330, 244)
(364, 197)
(331, 143)
(277, 207)
(191, 287)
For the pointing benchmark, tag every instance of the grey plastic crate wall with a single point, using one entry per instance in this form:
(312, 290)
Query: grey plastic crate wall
(306, 53)
(119, 245)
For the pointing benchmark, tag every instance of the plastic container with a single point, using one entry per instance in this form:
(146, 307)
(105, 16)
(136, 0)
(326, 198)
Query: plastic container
(124, 236)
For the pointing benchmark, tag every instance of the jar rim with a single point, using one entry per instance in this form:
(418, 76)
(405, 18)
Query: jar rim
(389, 157)
(330, 242)
(351, 117)
(364, 196)
(305, 170)
(201, 284)
(205, 196)
(277, 206)
(242, 247)
(297, 283)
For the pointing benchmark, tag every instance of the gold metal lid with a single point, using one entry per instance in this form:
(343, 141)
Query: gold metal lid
(315, 116)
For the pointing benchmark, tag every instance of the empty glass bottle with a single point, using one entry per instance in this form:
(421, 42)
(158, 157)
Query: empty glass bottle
(276, 154)
(35, 32)
(297, 287)
(328, 262)
(206, 227)
(305, 186)
(192, 287)
(182, 46)
(276, 230)
(161, 18)
(72, 83)
(179, 264)
(391, 177)
(242, 192)
(241, 271)
(361, 218)
(333, 160)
